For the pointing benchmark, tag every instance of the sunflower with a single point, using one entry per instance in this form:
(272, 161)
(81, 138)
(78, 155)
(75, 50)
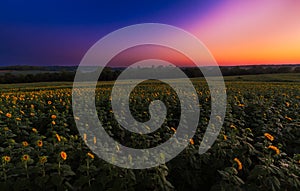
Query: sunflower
(269, 136)
(58, 137)
(39, 143)
(192, 141)
(173, 129)
(288, 118)
(238, 162)
(25, 143)
(241, 105)
(90, 155)
(274, 148)
(6, 159)
(95, 140)
(232, 126)
(43, 159)
(25, 157)
(63, 155)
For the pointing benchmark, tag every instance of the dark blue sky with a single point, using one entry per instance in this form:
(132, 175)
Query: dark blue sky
(94, 12)
(60, 32)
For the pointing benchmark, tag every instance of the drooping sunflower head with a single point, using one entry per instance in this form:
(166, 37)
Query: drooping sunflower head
(43, 159)
(239, 163)
(269, 136)
(58, 137)
(90, 155)
(274, 148)
(34, 130)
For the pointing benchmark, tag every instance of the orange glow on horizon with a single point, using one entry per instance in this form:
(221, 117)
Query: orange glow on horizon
(144, 52)
(252, 32)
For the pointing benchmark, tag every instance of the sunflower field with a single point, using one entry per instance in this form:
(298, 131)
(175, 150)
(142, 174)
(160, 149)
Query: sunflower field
(258, 147)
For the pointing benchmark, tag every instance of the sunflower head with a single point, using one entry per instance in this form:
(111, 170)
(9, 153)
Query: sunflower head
(39, 143)
(6, 159)
(192, 141)
(95, 140)
(43, 159)
(239, 163)
(63, 155)
(25, 143)
(274, 148)
(25, 157)
(269, 136)
(90, 155)
(58, 137)
(173, 129)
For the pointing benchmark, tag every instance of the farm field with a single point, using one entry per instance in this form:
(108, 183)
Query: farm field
(258, 147)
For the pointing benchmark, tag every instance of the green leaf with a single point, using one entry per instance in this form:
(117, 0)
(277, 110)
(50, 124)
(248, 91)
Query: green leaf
(57, 180)
(81, 181)
(224, 174)
(238, 180)
(41, 181)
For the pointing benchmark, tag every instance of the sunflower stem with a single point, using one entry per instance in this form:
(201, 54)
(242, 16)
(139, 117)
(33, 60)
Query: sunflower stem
(4, 172)
(58, 168)
(87, 171)
(26, 168)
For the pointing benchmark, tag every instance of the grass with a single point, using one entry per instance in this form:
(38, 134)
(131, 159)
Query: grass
(286, 77)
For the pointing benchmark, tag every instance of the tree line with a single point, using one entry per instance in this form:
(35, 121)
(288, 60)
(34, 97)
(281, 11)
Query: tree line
(110, 74)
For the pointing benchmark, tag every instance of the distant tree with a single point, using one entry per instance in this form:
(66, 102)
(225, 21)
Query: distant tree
(297, 70)
(284, 69)
(9, 78)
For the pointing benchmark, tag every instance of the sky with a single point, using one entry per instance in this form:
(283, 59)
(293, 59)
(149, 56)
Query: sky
(236, 32)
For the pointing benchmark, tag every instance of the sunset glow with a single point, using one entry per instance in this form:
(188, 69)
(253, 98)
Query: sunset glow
(236, 32)
(252, 32)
